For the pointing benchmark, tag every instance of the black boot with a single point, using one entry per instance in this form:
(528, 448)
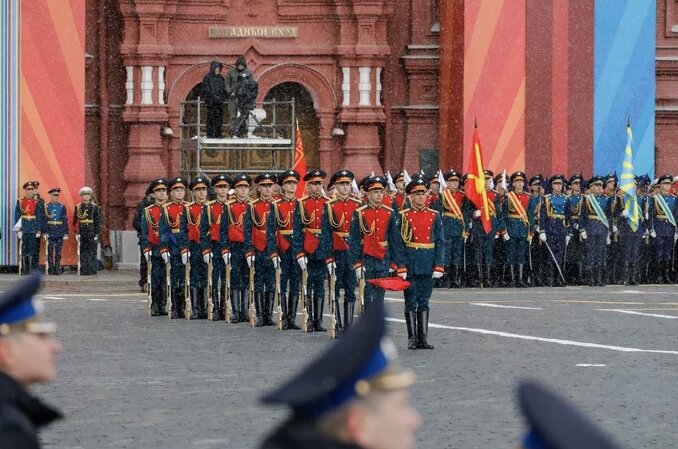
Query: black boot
(521, 282)
(601, 275)
(548, 282)
(338, 326)
(180, 302)
(259, 307)
(268, 318)
(632, 274)
(666, 272)
(235, 304)
(512, 270)
(411, 322)
(455, 281)
(422, 330)
(156, 309)
(292, 306)
(195, 305)
(244, 306)
(318, 307)
(592, 276)
(349, 308)
(487, 281)
(285, 311)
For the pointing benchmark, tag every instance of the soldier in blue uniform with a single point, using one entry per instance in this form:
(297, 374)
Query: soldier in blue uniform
(87, 223)
(233, 243)
(594, 228)
(149, 240)
(421, 229)
(498, 255)
(631, 232)
(172, 242)
(662, 209)
(536, 250)
(375, 245)
(456, 212)
(56, 230)
(555, 229)
(574, 252)
(518, 225)
(259, 242)
(642, 264)
(614, 250)
(30, 210)
(283, 223)
(313, 248)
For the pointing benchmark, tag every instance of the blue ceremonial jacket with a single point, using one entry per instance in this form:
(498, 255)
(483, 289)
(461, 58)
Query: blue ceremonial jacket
(588, 219)
(56, 219)
(658, 219)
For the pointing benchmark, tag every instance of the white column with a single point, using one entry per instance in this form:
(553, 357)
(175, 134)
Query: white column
(364, 86)
(346, 86)
(147, 84)
(129, 84)
(161, 85)
(377, 100)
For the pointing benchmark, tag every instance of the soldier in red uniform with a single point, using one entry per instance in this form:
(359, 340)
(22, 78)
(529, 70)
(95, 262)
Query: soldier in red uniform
(149, 240)
(213, 241)
(518, 224)
(31, 211)
(283, 254)
(400, 195)
(259, 243)
(233, 228)
(171, 243)
(340, 211)
(313, 248)
(191, 222)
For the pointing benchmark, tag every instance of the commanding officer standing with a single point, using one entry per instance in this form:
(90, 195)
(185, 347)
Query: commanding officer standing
(190, 243)
(28, 352)
(594, 227)
(456, 211)
(424, 255)
(87, 222)
(340, 211)
(375, 245)
(233, 227)
(283, 224)
(56, 230)
(259, 243)
(171, 244)
(213, 242)
(149, 241)
(313, 248)
(517, 228)
(555, 229)
(30, 211)
(661, 213)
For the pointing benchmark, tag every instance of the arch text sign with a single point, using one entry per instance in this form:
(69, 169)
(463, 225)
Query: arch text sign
(261, 32)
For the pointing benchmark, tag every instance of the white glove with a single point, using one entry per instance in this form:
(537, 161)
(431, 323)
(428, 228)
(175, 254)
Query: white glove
(576, 226)
(166, 257)
(331, 268)
(583, 234)
(147, 255)
(66, 237)
(96, 238)
(303, 263)
(276, 262)
(45, 236)
(38, 234)
(19, 234)
(437, 274)
(206, 257)
(675, 237)
(542, 236)
(625, 213)
(496, 236)
(227, 258)
(567, 239)
(476, 213)
(360, 272)
(608, 240)
(184, 258)
(653, 234)
(250, 261)
(506, 237)
(403, 275)
(77, 237)
(615, 229)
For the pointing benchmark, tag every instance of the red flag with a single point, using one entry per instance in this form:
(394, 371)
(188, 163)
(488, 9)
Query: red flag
(475, 183)
(299, 162)
(391, 283)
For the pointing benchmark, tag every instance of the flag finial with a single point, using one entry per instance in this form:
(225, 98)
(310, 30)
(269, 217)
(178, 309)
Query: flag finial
(475, 122)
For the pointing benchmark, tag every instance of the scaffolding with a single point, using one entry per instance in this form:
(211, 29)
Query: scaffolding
(268, 147)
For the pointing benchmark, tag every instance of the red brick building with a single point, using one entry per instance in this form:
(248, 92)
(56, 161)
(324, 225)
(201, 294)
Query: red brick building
(370, 68)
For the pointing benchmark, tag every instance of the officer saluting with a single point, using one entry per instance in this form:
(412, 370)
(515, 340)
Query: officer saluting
(423, 237)
(56, 230)
(30, 211)
(87, 222)
(354, 396)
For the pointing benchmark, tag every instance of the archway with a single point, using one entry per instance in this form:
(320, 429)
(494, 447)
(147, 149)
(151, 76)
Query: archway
(305, 115)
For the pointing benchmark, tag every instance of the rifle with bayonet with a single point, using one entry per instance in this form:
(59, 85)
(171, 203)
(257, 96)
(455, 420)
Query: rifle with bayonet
(302, 299)
(278, 306)
(149, 301)
(227, 294)
(46, 257)
(168, 287)
(252, 310)
(187, 290)
(361, 292)
(21, 256)
(333, 318)
(210, 299)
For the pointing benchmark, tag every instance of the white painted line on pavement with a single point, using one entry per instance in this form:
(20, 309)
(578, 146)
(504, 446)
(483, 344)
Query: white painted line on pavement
(590, 364)
(631, 312)
(484, 304)
(98, 299)
(52, 297)
(557, 341)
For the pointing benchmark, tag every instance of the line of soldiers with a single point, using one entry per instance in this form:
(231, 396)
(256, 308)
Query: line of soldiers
(36, 220)
(205, 256)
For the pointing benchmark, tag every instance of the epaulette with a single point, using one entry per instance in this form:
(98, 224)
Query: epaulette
(276, 201)
(387, 207)
(363, 207)
(433, 210)
(357, 200)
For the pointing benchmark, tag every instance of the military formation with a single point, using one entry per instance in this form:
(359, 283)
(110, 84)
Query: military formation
(37, 220)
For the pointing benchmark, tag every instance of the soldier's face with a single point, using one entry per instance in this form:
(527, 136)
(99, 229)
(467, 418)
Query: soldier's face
(453, 184)
(265, 190)
(86, 197)
(375, 196)
(389, 422)
(343, 189)
(290, 187)
(418, 199)
(31, 192)
(160, 195)
(29, 358)
(242, 192)
(576, 188)
(178, 194)
(222, 192)
(200, 194)
(557, 188)
(596, 189)
(315, 188)
(665, 187)
(400, 185)
(217, 70)
(54, 197)
(518, 185)
(435, 187)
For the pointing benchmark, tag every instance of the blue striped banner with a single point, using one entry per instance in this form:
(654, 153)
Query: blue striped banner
(9, 127)
(624, 83)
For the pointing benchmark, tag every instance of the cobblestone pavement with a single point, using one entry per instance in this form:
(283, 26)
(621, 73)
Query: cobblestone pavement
(128, 381)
